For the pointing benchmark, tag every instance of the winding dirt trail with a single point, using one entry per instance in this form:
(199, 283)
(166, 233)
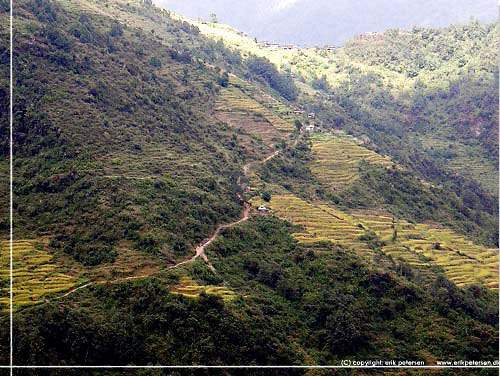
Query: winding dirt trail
(200, 250)
(245, 215)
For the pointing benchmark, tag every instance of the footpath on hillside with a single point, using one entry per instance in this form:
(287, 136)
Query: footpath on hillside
(200, 249)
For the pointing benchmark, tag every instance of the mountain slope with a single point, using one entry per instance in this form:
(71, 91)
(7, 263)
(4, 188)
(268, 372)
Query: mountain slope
(426, 98)
(139, 143)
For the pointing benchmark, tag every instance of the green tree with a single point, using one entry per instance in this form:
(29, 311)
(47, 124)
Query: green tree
(298, 124)
(155, 62)
(321, 84)
(266, 196)
(224, 80)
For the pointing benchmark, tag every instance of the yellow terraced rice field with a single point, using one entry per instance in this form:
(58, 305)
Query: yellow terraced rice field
(336, 160)
(321, 223)
(421, 245)
(463, 261)
(238, 98)
(34, 275)
(189, 288)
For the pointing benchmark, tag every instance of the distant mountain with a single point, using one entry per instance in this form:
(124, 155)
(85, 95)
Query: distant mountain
(310, 22)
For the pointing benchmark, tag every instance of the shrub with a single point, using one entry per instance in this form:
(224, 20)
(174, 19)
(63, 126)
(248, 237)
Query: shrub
(155, 62)
(266, 196)
(116, 30)
(224, 80)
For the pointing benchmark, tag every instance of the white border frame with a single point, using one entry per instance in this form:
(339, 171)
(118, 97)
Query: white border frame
(11, 193)
(11, 366)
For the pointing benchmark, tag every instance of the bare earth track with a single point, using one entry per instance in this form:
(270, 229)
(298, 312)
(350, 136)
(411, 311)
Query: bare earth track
(200, 250)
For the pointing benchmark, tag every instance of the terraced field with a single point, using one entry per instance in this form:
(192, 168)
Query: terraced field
(336, 159)
(424, 245)
(421, 245)
(278, 107)
(258, 127)
(321, 223)
(466, 161)
(151, 163)
(35, 274)
(480, 169)
(189, 288)
(463, 262)
(241, 98)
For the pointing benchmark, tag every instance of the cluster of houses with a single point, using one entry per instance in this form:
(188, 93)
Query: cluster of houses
(311, 115)
(325, 48)
(277, 46)
(370, 35)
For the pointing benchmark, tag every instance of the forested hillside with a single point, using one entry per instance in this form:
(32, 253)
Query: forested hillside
(426, 98)
(4, 118)
(143, 149)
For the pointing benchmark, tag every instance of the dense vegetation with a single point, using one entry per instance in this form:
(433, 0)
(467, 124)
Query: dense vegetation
(281, 82)
(290, 170)
(318, 300)
(327, 291)
(4, 119)
(97, 123)
(166, 329)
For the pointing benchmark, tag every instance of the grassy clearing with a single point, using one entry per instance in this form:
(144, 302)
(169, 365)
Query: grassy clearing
(190, 289)
(336, 159)
(35, 274)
